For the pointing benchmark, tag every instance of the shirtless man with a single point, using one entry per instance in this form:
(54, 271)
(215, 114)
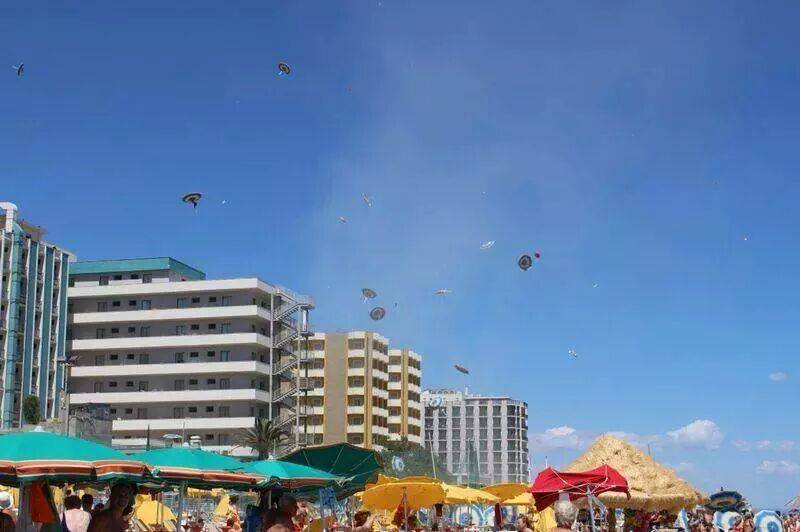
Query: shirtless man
(111, 519)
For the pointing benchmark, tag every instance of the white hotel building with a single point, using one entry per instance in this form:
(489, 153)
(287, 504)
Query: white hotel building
(173, 353)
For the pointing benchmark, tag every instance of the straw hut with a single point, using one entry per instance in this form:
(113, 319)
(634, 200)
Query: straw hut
(653, 487)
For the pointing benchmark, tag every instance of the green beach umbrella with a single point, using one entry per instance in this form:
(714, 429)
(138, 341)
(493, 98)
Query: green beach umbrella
(196, 468)
(357, 465)
(291, 476)
(38, 454)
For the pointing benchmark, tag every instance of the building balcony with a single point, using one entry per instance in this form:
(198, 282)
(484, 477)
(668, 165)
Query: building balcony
(175, 341)
(355, 409)
(186, 369)
(395, 385)
(185, 287)
(166, 396)
(171, 314)
(177, 425)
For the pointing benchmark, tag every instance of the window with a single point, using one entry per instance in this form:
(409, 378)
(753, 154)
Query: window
(224, 355)
(129, 410)
(182, 302)
(117, 277)
(355, 343)
(177, 412)
(100, 333)
(178, 358)
(192, 409)
(212, 326)
(134, 276)
(195, 300)
(211, 381)
(179, 384)
(131, 330)
(195, 327)
(226, 301)
(192, 382)
(224, 411)
(112, 384)
(99, 360)
(194, 354)
(103, 280)
(98, 387)
(114, 330)
(209, 409)
(129, 384)
(143, 387)
(102, 306)
(144, 331)
(147, 278)
(180, 330)
(131, 302)
(144, 358)
(212, 299)
(209, 437)
(146, 304)
(113, 357)
(226, 328)
(224, 384)
(112, 410)
(211, 354)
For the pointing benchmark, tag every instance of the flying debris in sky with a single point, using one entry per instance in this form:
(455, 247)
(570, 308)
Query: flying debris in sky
(377, 313)
(398, 464)
(342, 220)
(745, 238)
(524, 262)
(193, 198)
(224, 202)
(367, 200)
(284, 69)
(368, 293)
(488, 244)
(20, 68)
(461, 369)
(442, 292)
(573, 353)
(595, 285)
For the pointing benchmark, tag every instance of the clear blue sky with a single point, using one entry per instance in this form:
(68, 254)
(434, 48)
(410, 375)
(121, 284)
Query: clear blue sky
(648, 148)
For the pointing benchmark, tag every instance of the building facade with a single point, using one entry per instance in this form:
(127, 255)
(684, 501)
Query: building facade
(33, 318)
(353, 388)
(477, 436)
(174, 354)
(405, 405)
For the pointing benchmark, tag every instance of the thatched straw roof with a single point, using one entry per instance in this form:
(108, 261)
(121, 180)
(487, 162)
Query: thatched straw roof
(653, 486)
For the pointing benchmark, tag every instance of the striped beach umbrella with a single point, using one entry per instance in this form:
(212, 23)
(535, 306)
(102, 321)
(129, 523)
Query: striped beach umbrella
(196, 468)
(42, 455)
(768, 521)
(725, 520)
(291, 476)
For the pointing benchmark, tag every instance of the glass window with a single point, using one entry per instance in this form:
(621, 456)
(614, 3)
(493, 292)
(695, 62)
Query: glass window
(179, 385)
(180, 330)
(146, 304)
(144, 331)
(226, 301)
(177, 412)
(147, 278)
(224, 355)
(182, 302)
(103, 280)
(178, 358)
(226, 328)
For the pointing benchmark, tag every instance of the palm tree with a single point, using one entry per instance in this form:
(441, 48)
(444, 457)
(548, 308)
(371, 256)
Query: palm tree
(262, 438)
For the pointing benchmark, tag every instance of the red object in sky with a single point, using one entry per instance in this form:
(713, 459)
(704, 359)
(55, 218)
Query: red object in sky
(550, 483)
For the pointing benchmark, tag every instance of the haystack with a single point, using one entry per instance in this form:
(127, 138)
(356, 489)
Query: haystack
(653, 487)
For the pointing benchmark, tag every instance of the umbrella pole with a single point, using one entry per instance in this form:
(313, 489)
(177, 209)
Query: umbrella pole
(181, 489)
(591, 509)
(405, 509)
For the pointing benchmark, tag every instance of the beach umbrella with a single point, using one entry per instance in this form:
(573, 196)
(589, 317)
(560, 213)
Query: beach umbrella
(289, 475)
(357, 465)
(507, 491)
(523, 499)
(42, 455)
(411, 492)
(466, 495)
(550, 484)
(768, 521)
(197, 468)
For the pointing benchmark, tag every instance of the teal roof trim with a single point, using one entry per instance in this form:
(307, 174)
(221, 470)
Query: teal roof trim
(136, 265)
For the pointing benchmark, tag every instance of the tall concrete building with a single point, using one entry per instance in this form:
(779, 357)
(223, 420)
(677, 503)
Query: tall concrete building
(33, 317)
(352, 386)
(487, 433)
(405, 406)
(175, 353)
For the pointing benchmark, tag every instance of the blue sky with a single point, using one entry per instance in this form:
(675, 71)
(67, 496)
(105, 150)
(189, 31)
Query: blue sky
(647, 148)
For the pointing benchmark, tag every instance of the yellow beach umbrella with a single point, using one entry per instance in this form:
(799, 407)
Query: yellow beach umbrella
(420, 492)
(544, 521)
(152, 513)
(464, 495)
(223, 505)
(507, 491)
(523, 499)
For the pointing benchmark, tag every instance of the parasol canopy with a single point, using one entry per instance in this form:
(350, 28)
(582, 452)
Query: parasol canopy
(357, 465)
(652, 486)
(38, 454)
(549, 484)
(466, 495)
(290, 475)
(197, 468)
(153, 513)
(420, 492)
(507, 491)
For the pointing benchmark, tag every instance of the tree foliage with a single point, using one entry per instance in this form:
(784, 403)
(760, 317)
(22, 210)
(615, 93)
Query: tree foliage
(31, 412)
(263, 438)
(417, 459)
